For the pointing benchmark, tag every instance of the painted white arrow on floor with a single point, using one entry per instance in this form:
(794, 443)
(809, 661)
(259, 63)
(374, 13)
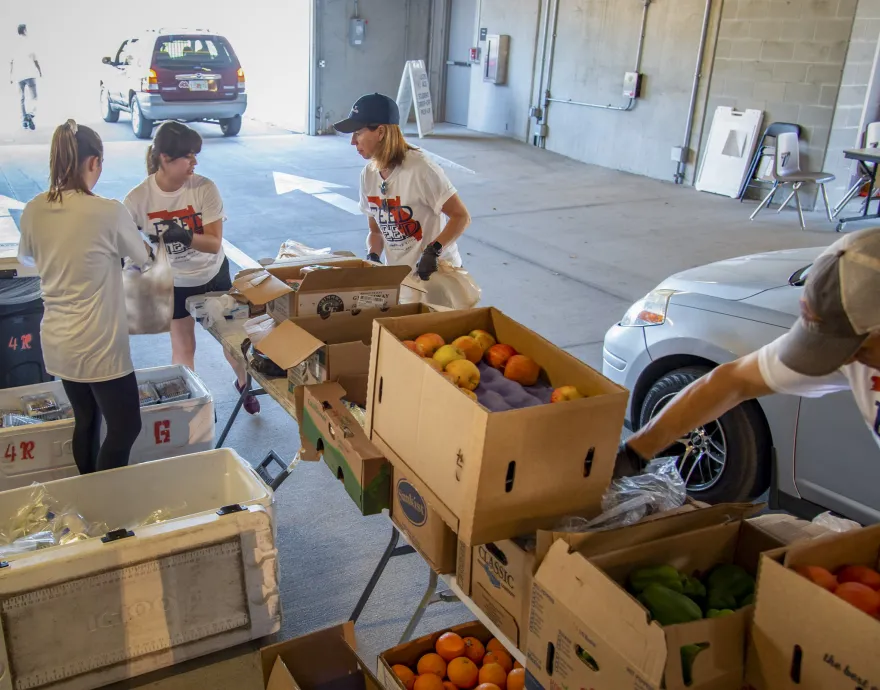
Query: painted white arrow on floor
(286, 183)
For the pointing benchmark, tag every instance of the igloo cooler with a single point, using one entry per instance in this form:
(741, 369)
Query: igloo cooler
(43, 452)
(98, 611)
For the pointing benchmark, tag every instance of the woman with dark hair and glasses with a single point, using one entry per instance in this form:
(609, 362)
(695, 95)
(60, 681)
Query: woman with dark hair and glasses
(187, 211)
(403, 192)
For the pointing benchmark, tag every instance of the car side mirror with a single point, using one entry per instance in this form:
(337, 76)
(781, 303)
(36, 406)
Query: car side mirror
(107, 61)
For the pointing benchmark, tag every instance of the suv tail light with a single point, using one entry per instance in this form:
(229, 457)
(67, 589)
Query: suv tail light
(241, 83)
(150, 82)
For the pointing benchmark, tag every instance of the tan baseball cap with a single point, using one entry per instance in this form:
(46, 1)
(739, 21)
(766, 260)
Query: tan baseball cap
(839, 308)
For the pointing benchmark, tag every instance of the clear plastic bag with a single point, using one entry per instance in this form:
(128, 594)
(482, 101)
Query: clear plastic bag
(291, 249)
(40, 405)
(32, 542)
(835, 524)
(628, 500)
(173, 390)
(11, 419)
(148, 393)
(162, 515)
(449, 287)
(149, 294)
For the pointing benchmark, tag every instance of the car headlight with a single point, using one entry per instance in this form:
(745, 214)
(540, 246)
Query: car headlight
(650, 310)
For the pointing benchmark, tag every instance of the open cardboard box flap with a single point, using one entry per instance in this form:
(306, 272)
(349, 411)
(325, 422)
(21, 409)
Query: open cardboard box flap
(288, 344)
(259, 286)
(326, 399)
(367, 276)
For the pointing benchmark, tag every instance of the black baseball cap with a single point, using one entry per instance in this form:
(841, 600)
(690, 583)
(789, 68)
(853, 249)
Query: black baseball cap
(371, 109)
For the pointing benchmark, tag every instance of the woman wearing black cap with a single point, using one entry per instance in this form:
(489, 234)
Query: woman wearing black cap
(403, 192)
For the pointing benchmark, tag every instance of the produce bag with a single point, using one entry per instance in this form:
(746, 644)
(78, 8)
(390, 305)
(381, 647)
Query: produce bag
(291, 249)
(628, 500)
(149, 294)
(449, 287)
(835, 524)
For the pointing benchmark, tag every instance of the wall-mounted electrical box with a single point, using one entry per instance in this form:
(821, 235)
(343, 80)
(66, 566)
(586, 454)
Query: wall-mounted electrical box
(632, 85)
(475, 56)
(357, 31)
(497, 54)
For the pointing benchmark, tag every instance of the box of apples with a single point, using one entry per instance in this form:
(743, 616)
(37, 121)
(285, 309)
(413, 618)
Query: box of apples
(462, 400)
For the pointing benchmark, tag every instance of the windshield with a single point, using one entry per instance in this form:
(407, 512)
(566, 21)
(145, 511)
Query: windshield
(191, 51)
(799, 277)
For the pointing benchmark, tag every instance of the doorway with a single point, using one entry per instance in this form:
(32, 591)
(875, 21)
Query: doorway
(462, 15)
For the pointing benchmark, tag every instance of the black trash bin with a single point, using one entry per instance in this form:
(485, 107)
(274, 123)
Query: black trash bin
(21, 353)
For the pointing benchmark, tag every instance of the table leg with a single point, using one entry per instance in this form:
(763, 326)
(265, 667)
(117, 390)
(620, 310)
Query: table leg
(235, 410)
(427, 598)
(391, 551)
(871, 182)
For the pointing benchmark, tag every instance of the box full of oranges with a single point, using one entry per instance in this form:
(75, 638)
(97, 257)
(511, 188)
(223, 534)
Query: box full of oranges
(465, 657)
(505, 429)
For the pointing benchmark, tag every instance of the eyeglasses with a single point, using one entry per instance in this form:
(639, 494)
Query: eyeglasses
(383, 190)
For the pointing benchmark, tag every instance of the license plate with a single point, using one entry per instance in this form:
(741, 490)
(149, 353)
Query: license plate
(198, 85)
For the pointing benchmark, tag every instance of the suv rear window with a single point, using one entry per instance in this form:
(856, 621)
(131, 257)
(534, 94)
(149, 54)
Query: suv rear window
(188, 51)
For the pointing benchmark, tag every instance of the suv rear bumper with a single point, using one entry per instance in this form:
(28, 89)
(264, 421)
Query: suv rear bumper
(154, 108)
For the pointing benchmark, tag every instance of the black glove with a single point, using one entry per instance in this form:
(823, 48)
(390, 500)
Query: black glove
(374, 257)
(428, 263)
(174, 232)
(628, 462)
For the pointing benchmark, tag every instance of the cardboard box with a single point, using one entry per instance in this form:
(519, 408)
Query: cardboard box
(498, 576)
(350, 284)
(413, 511)
(805, 637)
(330, 431)
(317, 350)
(498, 474)
(789, 529)
(587, 631)
(409, 653)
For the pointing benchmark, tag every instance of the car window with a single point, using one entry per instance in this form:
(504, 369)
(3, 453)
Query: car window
(184, 51)
(119, 53)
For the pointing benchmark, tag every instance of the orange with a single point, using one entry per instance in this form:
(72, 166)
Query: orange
(517, 665)
(493, 674)
(474, 650)
(488, 686)
(450, 646)
(516, 679)
(432, 663)
(495, 646)
(818, 575)
(500, 657)
(449, 686)
(405, 674)
(428, 681)
(861, 596)
(463, 673)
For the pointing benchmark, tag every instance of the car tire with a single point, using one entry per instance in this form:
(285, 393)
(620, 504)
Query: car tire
(141, 126)
(108, 112)
(745, 445)
(231, 126)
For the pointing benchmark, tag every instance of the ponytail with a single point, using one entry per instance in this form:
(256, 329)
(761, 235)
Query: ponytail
(153, 160)
(72, 147)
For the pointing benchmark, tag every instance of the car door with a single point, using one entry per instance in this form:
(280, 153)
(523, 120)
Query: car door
(837, 459)
(114, 79)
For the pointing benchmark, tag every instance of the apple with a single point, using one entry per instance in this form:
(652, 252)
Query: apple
(466, 374)
(470, 347)
(484, 339)
(428, 343)
(470, 394)
(434, 364)
(411, 346)
(447, 354)
(564, 393)
(497, 355)
(449, 377)
(522, 369)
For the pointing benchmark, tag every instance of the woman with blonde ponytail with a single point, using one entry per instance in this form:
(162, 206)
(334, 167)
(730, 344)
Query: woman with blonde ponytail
(77, 241)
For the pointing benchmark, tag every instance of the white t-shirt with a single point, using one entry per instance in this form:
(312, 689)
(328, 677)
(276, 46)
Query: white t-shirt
(23, 57)
(77, 246)
(409, 213)
(863, 381)
(194, 206)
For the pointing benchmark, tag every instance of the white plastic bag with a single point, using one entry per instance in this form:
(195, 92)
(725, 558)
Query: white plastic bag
(149, 294)
(834, 523)
(291, 249)
(449, 287)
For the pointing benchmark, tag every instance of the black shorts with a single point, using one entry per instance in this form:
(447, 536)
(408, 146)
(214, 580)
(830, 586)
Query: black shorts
(222, 282)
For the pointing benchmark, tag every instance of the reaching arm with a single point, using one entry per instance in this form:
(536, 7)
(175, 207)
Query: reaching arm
(459, 219)
(705, 399)
(211, 240)
(375, 241)
(37, 65)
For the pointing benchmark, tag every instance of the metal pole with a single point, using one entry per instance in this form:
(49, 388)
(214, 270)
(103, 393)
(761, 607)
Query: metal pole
(688, 128)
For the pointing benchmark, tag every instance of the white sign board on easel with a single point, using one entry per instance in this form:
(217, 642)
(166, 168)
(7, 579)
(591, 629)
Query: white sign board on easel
(415, 89)
(733, 138)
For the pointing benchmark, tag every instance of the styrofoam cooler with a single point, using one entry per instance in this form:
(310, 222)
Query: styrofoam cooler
(44, 452)
(94, 612)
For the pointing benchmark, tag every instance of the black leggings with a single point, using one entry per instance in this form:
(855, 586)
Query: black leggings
(118, 401)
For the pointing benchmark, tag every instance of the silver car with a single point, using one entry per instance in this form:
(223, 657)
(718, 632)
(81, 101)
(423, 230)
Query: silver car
(813, 454)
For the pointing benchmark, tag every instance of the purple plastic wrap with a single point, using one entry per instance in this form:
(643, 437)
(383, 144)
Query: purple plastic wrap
(499, 394)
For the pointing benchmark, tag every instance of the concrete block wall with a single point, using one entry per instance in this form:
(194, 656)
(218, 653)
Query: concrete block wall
(784, 57)
(857, 103)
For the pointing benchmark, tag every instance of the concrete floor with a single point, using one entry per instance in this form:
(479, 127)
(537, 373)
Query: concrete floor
(563, 247)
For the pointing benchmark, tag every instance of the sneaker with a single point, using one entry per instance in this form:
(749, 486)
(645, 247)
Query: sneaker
(31, 124)
(251, 404)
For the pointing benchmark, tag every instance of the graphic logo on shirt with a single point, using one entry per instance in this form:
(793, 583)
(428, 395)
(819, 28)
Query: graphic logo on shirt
(396, 222)
(183, 218)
